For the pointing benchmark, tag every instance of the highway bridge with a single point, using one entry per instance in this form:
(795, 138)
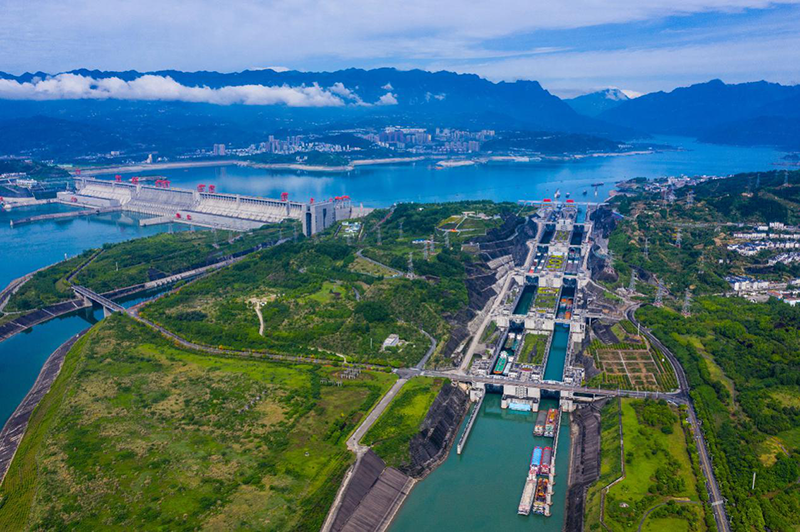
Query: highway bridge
(553, 386)
(87, 295)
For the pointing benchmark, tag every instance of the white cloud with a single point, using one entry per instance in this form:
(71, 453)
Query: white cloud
(388, 87)
(149, 87)
(387, 99)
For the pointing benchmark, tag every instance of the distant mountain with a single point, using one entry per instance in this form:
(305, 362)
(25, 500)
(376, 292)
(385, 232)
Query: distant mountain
(594, 103)
(377, 97)
(751, 113)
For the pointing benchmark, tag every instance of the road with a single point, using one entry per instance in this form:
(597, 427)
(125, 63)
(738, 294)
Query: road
(714, 495)
(397, 273)
(353, 441)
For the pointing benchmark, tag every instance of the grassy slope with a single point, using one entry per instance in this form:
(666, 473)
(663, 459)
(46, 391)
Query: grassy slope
(646, 450)
(610, 468)
(392, 433)
(137, 434)
(133, 261)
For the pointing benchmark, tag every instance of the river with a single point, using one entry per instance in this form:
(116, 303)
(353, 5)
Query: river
(480, 489)
(383, 185)
(492, 470)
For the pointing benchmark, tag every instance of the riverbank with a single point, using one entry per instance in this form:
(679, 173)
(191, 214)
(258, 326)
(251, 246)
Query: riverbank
(584, 466)
(106, 170)
(14, 429)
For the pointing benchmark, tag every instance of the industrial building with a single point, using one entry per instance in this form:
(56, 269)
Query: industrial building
(206, 208)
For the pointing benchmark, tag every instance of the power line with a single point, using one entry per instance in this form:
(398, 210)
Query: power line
(687, 302)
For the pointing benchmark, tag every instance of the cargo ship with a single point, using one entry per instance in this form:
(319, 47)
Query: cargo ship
(546, 461)
(501, 364)
(550, 424)
(538, 428)
(540, 499)
(536, 460)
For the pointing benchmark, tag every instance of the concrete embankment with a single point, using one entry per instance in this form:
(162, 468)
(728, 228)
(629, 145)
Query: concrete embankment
(429, 447)
(371, 493)
(14, 429)
(371, 497)
(584, 463)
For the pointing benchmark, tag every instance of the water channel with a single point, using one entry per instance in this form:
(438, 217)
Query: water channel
(478, 490)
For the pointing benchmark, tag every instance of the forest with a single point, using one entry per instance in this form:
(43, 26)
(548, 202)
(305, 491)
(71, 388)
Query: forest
(742, 360)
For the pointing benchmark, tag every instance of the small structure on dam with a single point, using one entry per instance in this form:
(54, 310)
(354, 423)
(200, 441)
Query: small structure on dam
(206, 208)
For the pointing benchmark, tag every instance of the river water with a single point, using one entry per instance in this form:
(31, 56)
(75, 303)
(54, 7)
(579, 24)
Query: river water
(381, 186)
(478, 490)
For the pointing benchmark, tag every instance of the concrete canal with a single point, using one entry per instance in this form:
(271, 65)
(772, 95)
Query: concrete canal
(554, 371)
(480, 489)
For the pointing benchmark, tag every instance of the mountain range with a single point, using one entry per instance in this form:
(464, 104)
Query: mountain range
(174, 112)
(594, 103)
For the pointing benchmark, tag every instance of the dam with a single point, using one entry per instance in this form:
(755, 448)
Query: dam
(201, 207)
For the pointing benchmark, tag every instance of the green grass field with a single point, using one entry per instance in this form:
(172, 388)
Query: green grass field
(391, 434)
(658, 468)
(533, 347)
(139, 435)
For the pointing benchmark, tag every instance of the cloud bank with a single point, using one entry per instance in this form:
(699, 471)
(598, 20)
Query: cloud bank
(164, 88)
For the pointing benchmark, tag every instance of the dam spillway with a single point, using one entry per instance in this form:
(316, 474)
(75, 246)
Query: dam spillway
(234, 212)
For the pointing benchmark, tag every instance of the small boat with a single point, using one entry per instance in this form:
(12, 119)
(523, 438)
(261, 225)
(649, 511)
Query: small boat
(585, 191)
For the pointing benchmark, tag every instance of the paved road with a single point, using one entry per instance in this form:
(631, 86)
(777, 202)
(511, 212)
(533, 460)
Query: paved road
(714, 494)
(676, 397)
(397, 273)
(353, 442)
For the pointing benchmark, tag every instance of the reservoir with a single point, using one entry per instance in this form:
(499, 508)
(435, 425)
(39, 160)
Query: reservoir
(465, 490)
(383, 185)
(480, 488)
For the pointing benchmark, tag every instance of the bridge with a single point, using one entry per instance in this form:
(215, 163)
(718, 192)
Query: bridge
(62, 215)
(91, 296)
(553, 386)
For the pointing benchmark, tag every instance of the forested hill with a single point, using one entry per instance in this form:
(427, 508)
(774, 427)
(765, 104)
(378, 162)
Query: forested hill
(746, 113)
(743, 367)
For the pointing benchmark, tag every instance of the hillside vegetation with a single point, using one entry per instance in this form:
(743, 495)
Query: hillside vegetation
(753, 349)
(139, 435)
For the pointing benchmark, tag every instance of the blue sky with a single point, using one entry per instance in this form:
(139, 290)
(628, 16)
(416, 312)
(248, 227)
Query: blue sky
(570, 47)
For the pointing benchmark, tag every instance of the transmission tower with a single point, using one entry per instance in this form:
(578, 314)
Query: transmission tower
(687, 302)
(690, 198)
(400, 229)
(410, 265)
(646, 248)
(659, 302)
(379, 235)
(447, 240)
(433, 243)
(786, 178)
(425, 250)
(758, 180)
(678, 238)
(632, 286)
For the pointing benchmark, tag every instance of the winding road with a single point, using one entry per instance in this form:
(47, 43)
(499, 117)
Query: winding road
(714, 494)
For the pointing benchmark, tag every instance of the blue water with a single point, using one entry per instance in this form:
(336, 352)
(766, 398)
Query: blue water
(380, 186)
(558, 353)
(480, 489)
(29, 247)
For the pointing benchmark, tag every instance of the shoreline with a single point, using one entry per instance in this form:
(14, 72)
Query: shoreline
(14, 429)
(142, 167)
(442, 162)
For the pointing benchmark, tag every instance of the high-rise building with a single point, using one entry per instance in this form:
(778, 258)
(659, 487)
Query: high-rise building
(219, 150)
